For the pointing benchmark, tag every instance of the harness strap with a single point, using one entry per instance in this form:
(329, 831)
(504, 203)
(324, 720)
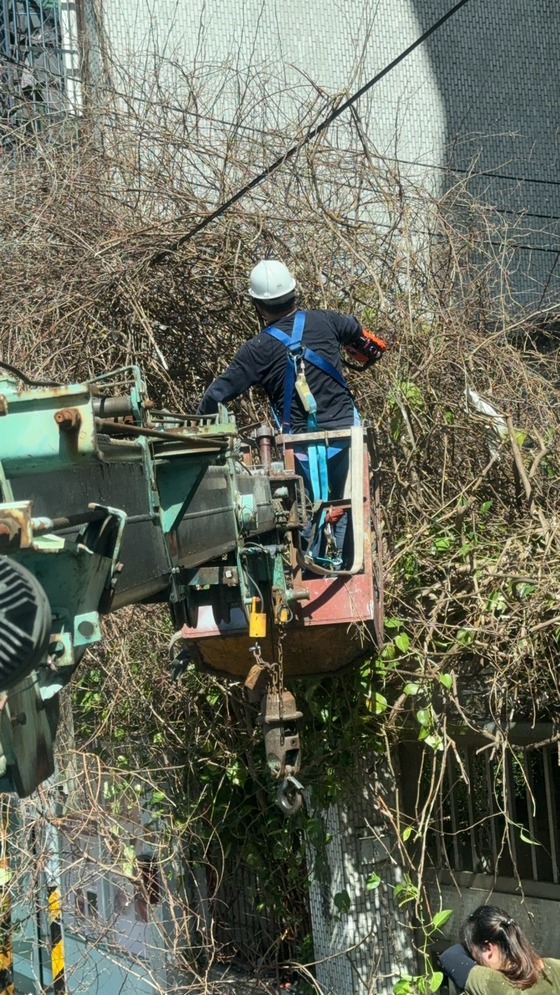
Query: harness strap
(318, 472)
(317, 452)
(324, 365)
(296, 351)
(293, 345)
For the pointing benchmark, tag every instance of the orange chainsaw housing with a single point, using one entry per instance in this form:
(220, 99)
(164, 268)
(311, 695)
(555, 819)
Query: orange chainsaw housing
(373, 349)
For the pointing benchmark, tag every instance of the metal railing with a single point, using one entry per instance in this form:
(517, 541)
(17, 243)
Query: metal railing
(495, 815)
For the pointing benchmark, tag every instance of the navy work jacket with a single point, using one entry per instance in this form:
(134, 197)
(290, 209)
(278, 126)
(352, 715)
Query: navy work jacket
(262, 362)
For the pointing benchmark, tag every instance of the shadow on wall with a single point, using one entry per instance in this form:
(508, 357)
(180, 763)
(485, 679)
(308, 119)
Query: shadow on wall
(496, 64)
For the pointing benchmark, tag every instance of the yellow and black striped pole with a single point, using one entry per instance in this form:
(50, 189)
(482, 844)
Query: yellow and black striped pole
(6, 945)
(54, 903)
(57, 941)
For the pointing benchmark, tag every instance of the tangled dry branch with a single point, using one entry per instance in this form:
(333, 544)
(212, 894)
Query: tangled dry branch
(465, 408)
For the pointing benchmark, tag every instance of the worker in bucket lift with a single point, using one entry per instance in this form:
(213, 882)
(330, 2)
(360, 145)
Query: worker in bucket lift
(296, 359)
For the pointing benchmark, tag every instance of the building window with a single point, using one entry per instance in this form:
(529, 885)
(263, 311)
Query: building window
(39, 62)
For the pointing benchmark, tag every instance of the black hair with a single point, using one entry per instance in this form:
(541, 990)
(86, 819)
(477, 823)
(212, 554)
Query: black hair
(522, 966)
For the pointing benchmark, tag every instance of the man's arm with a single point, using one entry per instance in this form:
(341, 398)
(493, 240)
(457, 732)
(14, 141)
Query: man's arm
(241, 374)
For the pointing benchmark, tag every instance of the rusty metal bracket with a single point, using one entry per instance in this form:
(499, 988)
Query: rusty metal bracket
(279, 719)
(16, 525)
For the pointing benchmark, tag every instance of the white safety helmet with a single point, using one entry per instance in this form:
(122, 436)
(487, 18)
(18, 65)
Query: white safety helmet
(271, 281)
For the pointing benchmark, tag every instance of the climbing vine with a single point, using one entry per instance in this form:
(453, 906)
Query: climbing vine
(465, 413)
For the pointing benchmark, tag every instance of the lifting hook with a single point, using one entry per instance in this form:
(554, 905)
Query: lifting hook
(289, 795)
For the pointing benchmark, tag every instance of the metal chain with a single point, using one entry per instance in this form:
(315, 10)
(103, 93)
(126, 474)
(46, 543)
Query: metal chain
(281, 637)
(275, 677)
(280, 688)
(274, 669)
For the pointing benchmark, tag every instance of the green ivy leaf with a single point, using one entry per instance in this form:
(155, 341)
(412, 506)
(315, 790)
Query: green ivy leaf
(412, 393)
(440, 919)
(434, 741)
(402, 987)
(393, 623)
(376, 703)
(441, 544)
(5, 876)
(388, 652)
(524, 589)
(446, 680)
(405, 891)
(523, 835)
(129, 856)
(496, 603)
(342, 901)
(373, 881)
(411, 689)
(436, 980)
(402, 642)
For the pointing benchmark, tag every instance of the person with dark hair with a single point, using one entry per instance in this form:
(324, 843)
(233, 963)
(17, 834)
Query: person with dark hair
(495, 956)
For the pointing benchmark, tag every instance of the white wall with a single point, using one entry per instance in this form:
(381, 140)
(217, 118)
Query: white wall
(294, 49)
(480, 93)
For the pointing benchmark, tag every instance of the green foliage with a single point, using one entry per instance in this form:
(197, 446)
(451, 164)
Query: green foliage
(199, 745)
(342, 902)
(430, 981)
(472, 578)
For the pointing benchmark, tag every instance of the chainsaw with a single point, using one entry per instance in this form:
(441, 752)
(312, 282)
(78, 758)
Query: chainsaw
(368, 350)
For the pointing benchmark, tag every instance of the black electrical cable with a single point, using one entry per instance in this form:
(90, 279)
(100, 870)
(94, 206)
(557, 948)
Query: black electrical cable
(264, 132)
(27, 380)
(158, 257)
(440, 167)
(472, 173)
(448, 168)
(525, 214)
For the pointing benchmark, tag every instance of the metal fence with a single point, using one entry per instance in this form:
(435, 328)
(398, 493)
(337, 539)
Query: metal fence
(494, 815)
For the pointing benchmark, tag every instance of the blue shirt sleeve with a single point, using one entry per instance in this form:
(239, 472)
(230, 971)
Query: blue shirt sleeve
(348, 327)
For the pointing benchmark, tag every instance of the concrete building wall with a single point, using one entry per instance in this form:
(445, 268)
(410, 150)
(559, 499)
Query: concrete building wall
(478, 95)
(281, 54)
(363, 942)
(536, 914)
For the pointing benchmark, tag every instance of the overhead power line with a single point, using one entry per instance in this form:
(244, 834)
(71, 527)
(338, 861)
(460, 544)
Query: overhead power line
(448, 167)
(311, 134)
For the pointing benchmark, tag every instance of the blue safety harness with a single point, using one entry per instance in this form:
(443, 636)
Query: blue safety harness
(317, 452)
(297, 352)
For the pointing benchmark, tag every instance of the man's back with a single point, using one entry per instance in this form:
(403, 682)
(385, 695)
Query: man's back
(262, 361)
